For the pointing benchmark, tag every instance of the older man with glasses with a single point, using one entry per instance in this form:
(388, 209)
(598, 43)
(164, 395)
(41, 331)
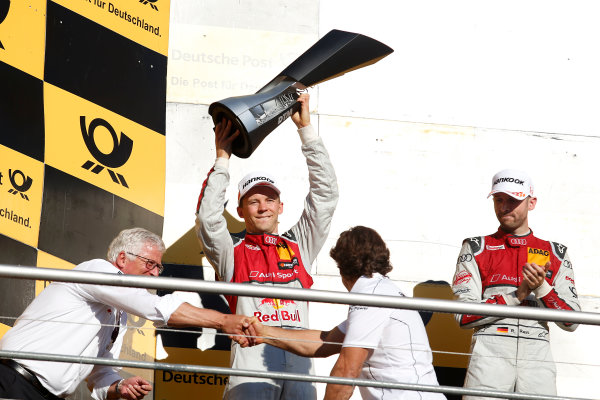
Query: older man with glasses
(86, 320)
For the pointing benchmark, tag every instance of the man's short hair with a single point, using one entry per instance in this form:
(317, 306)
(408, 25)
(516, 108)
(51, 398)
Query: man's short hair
(131, 241)
(361, 251)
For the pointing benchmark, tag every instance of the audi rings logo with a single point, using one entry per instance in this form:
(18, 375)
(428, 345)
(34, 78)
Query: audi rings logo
(518, 241)
(4, 6)
(464, 258)
(151, 2)
(20, 183)
(118, 156)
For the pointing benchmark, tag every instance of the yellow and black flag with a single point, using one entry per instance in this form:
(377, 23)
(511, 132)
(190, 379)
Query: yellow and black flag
(82, 133)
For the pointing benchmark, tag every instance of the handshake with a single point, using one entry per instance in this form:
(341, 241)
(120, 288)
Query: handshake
(249, 331)
(246, 331)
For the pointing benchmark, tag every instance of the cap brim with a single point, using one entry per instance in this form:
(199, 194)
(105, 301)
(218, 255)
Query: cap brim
(518, 196)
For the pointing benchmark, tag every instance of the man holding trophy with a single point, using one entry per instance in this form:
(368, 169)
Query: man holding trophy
(263, 256)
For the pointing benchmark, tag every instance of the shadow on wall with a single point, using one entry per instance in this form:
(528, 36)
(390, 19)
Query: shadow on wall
(445, 337)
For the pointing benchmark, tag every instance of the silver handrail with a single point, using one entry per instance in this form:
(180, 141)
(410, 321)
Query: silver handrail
(242, 289)
(276, 375)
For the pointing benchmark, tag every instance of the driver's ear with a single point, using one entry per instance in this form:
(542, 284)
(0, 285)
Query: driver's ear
(532, 203)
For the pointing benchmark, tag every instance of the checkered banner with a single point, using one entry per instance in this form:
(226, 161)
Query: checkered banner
(82, 135)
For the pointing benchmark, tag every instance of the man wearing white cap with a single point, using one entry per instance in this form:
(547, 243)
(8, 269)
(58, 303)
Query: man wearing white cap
(513, 267)
(262, 256)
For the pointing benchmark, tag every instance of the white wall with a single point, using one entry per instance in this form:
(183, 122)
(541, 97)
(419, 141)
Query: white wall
(472, 87)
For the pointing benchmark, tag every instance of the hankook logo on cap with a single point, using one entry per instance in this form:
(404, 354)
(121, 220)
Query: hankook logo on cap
(257, 178)
(508, 179)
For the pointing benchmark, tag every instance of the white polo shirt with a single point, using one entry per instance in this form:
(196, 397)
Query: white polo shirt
(401, 351)
(79, 319)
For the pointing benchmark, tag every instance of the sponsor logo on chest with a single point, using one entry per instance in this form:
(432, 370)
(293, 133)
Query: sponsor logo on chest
(538, 256)
(282, 275)
(503, 278)
(270, 240)
(277, 310)
(517, 241)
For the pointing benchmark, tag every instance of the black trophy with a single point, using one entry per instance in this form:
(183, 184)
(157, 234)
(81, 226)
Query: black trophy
(258, 114)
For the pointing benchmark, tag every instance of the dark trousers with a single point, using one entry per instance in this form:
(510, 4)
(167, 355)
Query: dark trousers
(14, 386)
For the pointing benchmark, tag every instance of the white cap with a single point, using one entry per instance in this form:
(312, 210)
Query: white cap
(513, 182)
(253, 179)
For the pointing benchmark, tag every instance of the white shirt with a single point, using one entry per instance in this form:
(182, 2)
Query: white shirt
(401, 351)
(79, 319)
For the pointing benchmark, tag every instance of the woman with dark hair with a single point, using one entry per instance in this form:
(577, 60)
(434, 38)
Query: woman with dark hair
(361, 251)
(383, 344)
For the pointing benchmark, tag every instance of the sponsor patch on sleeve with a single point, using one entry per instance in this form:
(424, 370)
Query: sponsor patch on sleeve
(461, 277)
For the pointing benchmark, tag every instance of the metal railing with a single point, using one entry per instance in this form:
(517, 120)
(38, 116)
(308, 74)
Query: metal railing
(221, 288)
(276, 375)
(323, 296)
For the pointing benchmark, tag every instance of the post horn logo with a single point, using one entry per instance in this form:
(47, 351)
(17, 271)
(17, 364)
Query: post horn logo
(116, 158)
(4, 6)
(150, 2)
(26, 183)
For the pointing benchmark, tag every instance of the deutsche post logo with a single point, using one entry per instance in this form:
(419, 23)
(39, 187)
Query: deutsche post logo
(4, 6)
(150, 2)
(20, 183)
(118, 156)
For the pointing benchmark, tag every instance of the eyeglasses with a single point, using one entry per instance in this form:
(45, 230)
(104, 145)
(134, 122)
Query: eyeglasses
(150, 264)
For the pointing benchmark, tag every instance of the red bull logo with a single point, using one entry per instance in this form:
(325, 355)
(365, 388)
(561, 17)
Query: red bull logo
(276, 303)
(279, 314)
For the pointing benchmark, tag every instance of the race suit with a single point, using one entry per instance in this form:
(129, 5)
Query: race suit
(270, 260)
(512, 354)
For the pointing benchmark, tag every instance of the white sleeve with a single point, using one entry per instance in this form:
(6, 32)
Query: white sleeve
(102, 376)
(307, 134)
(319, 205)
(134, 301)
(365, 325)
(100, 379)
(343, 326)
(211, 225)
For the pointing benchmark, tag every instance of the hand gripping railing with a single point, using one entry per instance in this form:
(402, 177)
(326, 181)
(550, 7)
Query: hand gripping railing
(182, 284)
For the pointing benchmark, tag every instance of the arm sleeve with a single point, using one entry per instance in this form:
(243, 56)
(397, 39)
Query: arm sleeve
(364, 326)
(136, 301)
(562, 295)
(313, 227)
(100, 379)
(467, 287)
(102, 376)
(211, 226)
